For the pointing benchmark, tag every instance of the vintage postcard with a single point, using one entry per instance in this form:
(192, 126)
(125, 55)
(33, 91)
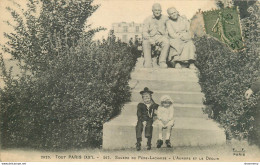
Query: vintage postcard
(130, 81)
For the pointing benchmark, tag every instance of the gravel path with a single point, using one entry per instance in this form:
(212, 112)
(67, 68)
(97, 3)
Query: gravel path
(205, 154)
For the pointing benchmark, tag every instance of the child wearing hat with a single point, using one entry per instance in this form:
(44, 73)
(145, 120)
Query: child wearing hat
(145, 113)
(165, 119)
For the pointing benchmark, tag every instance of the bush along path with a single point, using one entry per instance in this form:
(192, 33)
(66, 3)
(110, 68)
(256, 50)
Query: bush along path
(192, 127)
(69, 85)
(225, 75)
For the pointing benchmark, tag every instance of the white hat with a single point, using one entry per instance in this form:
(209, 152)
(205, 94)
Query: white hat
(165, 98)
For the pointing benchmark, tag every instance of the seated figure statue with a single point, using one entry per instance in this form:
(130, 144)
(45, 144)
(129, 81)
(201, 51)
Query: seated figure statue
(154, 34)
(182, 49)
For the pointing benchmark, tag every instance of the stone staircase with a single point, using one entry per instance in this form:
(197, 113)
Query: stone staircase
(192, 127)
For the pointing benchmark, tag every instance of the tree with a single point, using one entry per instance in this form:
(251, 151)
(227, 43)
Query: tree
(39, 39)
(73, 84)
(220, 4)
(243, 6)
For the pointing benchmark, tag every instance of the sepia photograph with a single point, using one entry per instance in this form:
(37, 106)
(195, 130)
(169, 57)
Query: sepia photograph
(130, 81)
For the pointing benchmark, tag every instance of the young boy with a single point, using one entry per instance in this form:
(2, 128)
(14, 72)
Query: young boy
(145, 113)
(165, 119)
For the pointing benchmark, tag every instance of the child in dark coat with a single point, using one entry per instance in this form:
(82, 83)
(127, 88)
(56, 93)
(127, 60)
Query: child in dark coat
(145, 113)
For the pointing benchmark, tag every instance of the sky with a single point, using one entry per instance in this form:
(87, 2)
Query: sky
(113, 11)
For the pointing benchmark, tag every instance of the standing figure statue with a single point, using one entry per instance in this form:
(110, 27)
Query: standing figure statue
(182, 48)
(154, 33)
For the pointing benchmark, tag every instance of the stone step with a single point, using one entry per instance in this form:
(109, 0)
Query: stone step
(170, 85)
(180, 110)
(192, 127)
(178, 97)
(169, 74)
(119, 133)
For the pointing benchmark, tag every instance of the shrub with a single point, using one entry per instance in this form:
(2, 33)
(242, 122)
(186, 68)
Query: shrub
(243, 6)
(226, 75)
(74, 84)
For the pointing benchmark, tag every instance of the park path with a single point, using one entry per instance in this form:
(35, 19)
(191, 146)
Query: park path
(192, 127)
(213, 153)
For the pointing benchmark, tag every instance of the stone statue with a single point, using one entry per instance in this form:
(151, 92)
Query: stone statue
(154, 33)
(182, 49)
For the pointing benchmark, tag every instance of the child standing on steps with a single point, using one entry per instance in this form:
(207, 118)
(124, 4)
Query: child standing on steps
(145, 114)
(165, 120)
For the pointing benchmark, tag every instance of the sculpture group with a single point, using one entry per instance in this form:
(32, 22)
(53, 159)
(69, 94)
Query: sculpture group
(172, 35)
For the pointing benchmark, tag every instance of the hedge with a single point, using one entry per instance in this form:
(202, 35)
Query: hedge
(225, 75)
(69, 84)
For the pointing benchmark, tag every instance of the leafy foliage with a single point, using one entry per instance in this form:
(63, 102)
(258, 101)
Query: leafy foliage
(243, 6)
(226, 75)
(69, 86)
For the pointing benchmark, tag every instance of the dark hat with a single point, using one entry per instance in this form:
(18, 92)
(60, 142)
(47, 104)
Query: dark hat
(146, 90)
